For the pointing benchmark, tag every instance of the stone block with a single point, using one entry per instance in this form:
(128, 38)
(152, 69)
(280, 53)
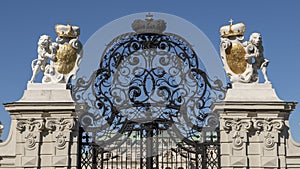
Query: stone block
(238, 161)
(241, 151)
(29, 161)
(62, 151)
(254, 149)
(254, 161)
(74, 148)
(60, 160)
(271, 162)
(224, 136)
(251, 92)
(225, 149)
(225, 161)
(73, 159)
(38, 92)
(47, 149)
(46, 161)
(270, 152)
(282, 160)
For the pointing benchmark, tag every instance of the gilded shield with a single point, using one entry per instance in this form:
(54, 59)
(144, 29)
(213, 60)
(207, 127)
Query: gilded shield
(235, 58)
(66, 58)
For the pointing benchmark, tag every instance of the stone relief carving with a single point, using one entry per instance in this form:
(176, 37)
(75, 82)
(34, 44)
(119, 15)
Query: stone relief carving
(269, 141)
(30, 141)
(240, 128)
(60, 140)
(236, 125)
(30, 127)
(269, 128)
(238, 138)
(57, 127)
(267, 125)
(60, 125)
(242, 59)
(58, 60)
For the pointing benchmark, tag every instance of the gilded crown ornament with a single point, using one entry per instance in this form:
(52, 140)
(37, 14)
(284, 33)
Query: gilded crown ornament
(232, 29)
(67, 31)
(149, 25)
(238, 55)
(58, 60)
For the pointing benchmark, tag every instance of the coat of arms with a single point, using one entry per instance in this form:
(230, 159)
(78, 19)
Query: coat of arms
(59, 60)
(242, 59)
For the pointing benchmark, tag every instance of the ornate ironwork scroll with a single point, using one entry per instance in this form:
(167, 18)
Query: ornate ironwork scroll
(149, 88)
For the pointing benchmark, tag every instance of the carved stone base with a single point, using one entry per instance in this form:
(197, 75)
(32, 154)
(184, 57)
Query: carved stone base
(251, 92)
(38, 92)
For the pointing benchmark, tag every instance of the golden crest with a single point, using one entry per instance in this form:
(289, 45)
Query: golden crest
(66, 58)
(235, 57)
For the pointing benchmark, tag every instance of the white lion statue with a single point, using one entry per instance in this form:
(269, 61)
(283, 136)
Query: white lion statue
(46, 50)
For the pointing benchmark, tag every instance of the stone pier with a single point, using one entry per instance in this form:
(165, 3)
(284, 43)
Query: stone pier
(254, 128)
(44, 130)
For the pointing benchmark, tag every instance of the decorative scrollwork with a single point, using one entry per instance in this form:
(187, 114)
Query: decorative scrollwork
(30, 141)
(60, 141)
(30, 125)
(237, 125)
(238, 139)
(268, 125)
(59, 124)
(240, 128)
(146, 78)
(269, 141)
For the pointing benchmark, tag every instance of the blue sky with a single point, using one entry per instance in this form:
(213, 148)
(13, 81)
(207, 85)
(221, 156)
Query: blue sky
(22, 23)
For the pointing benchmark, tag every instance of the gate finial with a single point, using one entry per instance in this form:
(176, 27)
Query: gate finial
(149, 25)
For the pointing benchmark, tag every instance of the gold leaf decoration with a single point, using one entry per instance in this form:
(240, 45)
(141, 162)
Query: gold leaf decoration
(66, 58)
(235, 57)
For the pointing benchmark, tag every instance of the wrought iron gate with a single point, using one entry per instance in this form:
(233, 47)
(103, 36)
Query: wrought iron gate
(148, 105)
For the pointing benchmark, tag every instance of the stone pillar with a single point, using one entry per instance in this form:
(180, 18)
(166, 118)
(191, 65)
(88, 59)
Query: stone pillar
(44, 130)
(254, 127)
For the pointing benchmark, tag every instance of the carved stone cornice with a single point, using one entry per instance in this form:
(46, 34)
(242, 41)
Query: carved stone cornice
(239, 127)
(236, 124)
(30, 125)
(60, 124)
(268, 125)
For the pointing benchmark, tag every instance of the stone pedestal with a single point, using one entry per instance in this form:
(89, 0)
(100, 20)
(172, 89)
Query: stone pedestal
(44, 130)
(254, 127)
